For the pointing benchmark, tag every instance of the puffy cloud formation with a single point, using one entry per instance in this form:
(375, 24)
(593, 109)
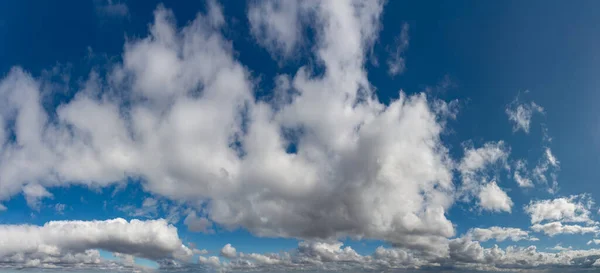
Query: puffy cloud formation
(493, 198)
(465, 255)
(179, 112)
(499, 234)
(474, 169)
(76, 243)
(575, 208)
(520, 114)
(228, 251)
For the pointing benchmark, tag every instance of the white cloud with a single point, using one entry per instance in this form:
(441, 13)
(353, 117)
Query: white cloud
(2, 208)
(180, 114)
(33, 195)
(594, 241)
(521, 113)
(228, 251)
(554, 228)
(475, 166)
(464, 256)
(396, 62)
(559, 247)
(548, 165)
(499, 234)
(493, 198)
(575, 208)
(64, 243)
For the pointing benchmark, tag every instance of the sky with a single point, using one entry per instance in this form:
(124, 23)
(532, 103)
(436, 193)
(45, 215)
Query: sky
(299, 136)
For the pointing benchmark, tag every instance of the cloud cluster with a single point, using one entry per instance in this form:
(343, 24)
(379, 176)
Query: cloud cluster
(548, 216)
(499, 234)
(475, 168)
(465, 255)
(180, 113)
(76, 243)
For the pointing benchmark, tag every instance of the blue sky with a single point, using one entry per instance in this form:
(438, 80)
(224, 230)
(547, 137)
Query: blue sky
(282, 128)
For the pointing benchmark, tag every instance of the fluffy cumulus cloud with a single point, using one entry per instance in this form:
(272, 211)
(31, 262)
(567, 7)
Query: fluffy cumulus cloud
(493, 198)
(477, 169)
(464, 255)
(548, 216)
(180, 97)
(574, 208)
(76, 243)
(228, 251)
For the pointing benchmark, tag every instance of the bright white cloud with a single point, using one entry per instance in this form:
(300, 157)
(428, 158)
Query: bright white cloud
(575, 208)
(493, 198)
(475, 166)
(228, 251)
(193, 131)
(68, 243)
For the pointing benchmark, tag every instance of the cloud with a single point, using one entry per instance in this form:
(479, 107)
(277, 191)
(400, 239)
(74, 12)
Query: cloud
(211, 261)
(520, 175)
(493, 198)
(520, 114)
(464, 256)
(180, 114)
(198, 224)
(475, 169)
(575, 208)
(396, 62)
(548, 165)
(499, 234)
(112, 8)
(2, 208)
(33, 195)
(59, 208)
(228, 251)
(594, 241)
(69, 243)
(554, 228)
(276, 25)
